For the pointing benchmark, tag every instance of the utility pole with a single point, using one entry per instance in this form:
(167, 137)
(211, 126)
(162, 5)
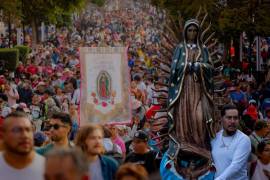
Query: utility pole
(251, 30)
(241, 47)
(258, 53)
(9, 29)
(23, 28)
(258, 39)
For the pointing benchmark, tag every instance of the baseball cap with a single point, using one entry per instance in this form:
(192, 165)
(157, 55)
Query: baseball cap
(141, 135)
(252, 101)
(41, 84)
(39, 137)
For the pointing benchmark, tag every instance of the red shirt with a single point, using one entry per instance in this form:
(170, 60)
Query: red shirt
(152, 111)
(32, 69)
(20, 69)
(48, 70)
(245, 65)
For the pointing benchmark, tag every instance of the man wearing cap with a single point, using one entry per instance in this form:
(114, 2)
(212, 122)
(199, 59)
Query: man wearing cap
(142, 154)
(252, 112)
(60, 127)
(252, 103)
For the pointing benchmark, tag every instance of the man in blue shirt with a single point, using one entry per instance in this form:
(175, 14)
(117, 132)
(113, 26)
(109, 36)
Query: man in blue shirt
(90, 140)
(59, 125)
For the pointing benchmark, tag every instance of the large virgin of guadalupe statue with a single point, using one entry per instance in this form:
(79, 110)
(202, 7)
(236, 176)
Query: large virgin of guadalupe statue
(190, 108)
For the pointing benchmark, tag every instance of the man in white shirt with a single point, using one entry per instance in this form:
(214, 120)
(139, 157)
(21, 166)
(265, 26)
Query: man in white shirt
(230, 148)
(18, 159)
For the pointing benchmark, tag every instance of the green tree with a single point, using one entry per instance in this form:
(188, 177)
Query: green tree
(229, 20)
(56, 12)
(33, 12)
(10, 13)
(187, 8)
(98, 2)
(250, 16)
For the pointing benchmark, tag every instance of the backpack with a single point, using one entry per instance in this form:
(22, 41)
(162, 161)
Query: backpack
(58, 104)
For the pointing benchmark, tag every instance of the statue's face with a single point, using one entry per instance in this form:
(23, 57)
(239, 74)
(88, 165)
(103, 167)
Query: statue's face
(192, 32)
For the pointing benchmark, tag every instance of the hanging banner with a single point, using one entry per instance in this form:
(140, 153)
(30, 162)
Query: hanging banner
(104, 85)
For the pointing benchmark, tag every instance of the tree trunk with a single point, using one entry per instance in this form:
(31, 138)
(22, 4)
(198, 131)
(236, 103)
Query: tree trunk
(35, 39)
(236, 47)
(9, 29)
(34, 33)
(23, 29)
(37, 32)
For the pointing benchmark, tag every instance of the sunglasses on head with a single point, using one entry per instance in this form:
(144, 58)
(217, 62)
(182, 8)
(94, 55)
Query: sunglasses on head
(54, 126)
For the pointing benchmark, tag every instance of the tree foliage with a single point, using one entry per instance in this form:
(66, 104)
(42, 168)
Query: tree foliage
(262, 20)
(23, 52)
(11, 10)
(50, 11)
(9, 6)
(187, 8)
(9, 57)
(98, 2)
(228, 20)
(33, 12)
(245, 15)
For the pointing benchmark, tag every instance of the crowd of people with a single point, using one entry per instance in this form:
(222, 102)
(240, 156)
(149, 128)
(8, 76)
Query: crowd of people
(39, 105)
(43, 94)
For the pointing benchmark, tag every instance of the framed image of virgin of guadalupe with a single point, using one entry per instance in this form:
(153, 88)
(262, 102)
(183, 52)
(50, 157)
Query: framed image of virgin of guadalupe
(104, 85)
